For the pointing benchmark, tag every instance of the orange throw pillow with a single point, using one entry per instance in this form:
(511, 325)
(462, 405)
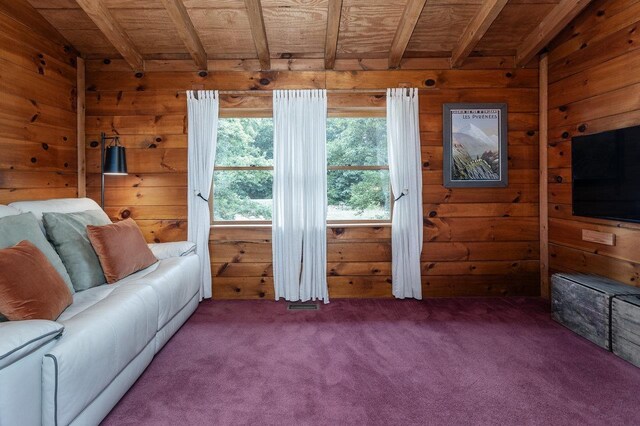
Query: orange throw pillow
(30, 287)
(121, 249)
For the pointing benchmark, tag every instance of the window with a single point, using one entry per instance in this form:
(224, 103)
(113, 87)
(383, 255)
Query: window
(358, 171)
(357, 176)
(243, 173)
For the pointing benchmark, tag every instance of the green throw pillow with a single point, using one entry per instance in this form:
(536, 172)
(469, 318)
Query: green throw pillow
(14, 229)
(68, 234)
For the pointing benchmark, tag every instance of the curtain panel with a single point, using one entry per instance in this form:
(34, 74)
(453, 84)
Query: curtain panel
(300, 195)
(202, 110)
(405, 170)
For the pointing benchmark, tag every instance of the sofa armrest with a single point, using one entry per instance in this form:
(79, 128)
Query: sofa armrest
(175, 249)
(20, 338)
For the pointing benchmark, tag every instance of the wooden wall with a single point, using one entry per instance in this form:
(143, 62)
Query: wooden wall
(594, 85)
(38, 154)
(477, 241)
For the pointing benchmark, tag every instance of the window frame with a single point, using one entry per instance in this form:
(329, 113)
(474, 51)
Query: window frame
(364, 221)
(329, 221)
(355, 113)
(220, 222)
(237, 113)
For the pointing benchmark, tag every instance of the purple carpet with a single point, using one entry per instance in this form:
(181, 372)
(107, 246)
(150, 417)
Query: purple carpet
(381, 362)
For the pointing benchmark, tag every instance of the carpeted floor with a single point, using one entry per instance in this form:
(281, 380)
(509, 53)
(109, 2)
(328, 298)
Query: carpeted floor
(381, 362)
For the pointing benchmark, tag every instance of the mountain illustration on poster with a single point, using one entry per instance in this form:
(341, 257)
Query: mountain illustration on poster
(473, 148)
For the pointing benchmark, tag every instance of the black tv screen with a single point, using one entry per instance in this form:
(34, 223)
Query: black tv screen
(606, 174)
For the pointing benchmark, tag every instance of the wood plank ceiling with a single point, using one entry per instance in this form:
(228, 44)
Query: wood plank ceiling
(324, 30)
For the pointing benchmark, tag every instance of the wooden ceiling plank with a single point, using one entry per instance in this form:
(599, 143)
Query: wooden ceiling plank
(408, 21)
(259, 33)
(187, 32)
(476, 29)
(333, 29)
(100, 15)
(559, 17)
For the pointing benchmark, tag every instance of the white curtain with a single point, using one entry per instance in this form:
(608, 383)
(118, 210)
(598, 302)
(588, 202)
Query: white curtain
(300, 195)
(403, 141)
(202, 109)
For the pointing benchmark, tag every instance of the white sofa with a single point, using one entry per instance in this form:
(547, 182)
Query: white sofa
(74, 370)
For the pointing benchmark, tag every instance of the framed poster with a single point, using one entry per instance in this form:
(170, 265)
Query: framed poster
(475, 145)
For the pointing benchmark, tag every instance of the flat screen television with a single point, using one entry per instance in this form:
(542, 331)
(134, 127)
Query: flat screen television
(606, 174)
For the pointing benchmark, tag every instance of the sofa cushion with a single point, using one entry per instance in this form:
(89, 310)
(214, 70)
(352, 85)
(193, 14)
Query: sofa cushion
(121, 249)
(98, 343)
(14, 229)
(68, 234)
(30, 287)
(84, 300)
(175, 281)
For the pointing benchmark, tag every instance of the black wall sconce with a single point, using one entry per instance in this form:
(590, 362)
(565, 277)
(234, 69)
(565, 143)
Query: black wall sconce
(113, 160)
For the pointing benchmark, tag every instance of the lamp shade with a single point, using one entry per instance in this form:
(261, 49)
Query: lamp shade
(115, 161)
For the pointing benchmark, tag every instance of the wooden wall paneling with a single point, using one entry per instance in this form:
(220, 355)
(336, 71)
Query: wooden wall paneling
(432, 79)
(488, 285)
(543, 173)
(215, 80)
(599, 79)
(81, 108)
(612, 103)
(592, 88)
(358, 261)
(598, 22)
(32, 41)
(564, 258)
(569, 233)
(45, 91)
(480, 251)
(38, 120)
(168, 102)
(304, 64)
(27, 51)
(611, 45)
(150, 115)
(20, 108)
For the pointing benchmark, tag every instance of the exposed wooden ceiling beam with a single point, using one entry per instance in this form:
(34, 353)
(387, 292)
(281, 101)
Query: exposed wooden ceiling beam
(256, 21)
(408, 21)
(178, 14)
(559, 17)
(101, 16)
(333, 28)
(476, 29)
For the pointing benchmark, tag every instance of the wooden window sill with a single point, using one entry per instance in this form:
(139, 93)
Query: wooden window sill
(329, 225)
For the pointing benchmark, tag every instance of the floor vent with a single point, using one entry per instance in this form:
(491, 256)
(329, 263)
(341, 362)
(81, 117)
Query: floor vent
(302, 307)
